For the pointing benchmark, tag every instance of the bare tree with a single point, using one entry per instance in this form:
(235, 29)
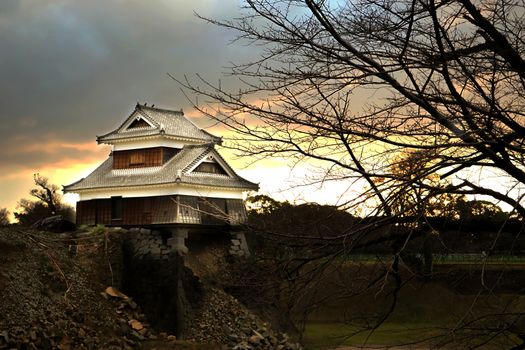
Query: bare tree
(354, 85)
(49, 203)
(46, 192)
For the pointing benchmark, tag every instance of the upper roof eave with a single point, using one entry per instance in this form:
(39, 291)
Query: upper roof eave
(166, 122)
(110, 141)
(250, 186)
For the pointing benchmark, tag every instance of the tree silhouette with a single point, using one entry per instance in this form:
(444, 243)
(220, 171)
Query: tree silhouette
(4, 217)
(49, 203)
(354, 85)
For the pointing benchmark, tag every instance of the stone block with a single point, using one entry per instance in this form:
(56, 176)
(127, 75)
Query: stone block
(171, 242)
(239, 244)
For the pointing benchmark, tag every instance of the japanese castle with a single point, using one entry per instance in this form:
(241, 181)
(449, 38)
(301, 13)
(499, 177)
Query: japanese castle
(163, 171)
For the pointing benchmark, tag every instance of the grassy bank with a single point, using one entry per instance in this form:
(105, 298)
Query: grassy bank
(427, 313)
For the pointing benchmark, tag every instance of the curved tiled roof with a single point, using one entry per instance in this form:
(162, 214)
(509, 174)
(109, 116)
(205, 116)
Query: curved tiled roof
(176, 170)
(164, 122)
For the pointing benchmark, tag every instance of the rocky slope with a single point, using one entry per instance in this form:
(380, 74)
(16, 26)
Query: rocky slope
(54, 295)
(51, 299)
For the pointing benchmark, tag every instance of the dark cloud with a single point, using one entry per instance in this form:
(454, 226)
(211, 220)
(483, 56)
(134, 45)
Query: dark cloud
(72, 70)
(7, 7)
(34, 153)
(77, 68)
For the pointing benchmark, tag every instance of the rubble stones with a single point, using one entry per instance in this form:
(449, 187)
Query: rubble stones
(222, 319)
(52, 300)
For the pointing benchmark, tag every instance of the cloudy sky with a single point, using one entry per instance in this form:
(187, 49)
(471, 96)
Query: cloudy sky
(71, 70)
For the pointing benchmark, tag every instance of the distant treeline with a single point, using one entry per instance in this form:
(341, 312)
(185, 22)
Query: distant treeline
(316, 228)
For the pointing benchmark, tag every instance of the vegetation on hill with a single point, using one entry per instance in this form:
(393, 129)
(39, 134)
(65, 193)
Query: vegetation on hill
(49, 202)
(467, 269)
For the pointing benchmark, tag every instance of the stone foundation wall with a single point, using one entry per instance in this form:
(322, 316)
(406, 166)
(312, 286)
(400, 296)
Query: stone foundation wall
(155, 276)
(147, 243)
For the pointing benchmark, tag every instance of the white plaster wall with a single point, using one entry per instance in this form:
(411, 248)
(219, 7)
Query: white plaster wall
(161, 191)
(148, 143)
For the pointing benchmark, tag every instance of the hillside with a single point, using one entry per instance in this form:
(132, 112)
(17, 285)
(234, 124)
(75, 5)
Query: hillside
(54, 295)
(50, 299)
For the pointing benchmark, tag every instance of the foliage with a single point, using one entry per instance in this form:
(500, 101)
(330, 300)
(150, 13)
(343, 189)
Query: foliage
(99, 229)
(418, 193)
(48, 203)
(480, 210)
(262, 204)
(4, 217)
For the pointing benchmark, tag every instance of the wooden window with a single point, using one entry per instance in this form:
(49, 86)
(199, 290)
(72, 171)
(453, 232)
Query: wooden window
(144, 157)
(212, 210)
(137, 158)
(189, 210)
(164, 210)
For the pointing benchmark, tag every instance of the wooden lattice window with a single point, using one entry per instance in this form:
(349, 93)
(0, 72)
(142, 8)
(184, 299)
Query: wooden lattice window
(189, 210)
(144, 157)
(137, 158)
(236, 211)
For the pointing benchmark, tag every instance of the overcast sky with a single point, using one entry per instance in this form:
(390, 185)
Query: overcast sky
(71, 70)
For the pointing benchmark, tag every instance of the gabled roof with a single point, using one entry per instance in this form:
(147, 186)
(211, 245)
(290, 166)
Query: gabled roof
(176, 170)
(161, 122)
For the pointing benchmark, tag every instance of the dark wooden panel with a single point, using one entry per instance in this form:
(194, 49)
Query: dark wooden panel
(103, 211)
(132, 209)
(137, 158)
(144, 157)
(168, 153)
(236, 211)
(86, 212)
(162, 210)
(139, 124)
(212, 168)
(212, 210)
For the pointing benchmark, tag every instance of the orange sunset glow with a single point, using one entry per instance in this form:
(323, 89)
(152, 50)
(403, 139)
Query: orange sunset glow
(74, 70)
(71, 71)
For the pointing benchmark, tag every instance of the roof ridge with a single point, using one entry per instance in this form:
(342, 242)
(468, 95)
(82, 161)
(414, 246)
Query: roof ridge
(180, 112)
(207, 144)
(205, 152)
